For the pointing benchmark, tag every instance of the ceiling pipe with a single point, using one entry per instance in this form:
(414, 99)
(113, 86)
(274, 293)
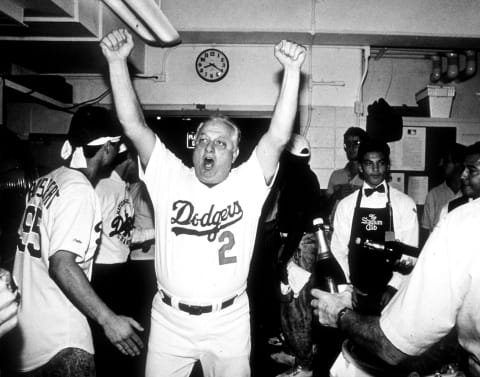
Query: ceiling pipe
(453, 71)
(147, 20)
(470, 66)
(436, 74)
(452, 67)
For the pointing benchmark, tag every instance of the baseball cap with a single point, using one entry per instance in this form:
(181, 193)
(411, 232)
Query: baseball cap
(90, 123)
(90, 126)
(298, 146)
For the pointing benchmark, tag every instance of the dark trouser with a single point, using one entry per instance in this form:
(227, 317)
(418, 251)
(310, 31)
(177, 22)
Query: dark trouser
(263, 285)
(69, 362)
(142, 286)
(110, 282)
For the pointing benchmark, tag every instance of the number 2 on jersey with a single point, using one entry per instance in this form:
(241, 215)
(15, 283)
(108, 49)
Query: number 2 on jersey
(229, 237)
(30, 231)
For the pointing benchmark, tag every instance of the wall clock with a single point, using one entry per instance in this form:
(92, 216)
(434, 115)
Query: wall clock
(212, 64)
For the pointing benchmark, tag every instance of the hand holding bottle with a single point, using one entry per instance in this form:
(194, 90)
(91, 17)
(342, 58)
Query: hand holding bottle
(328, 305)
(327, 273)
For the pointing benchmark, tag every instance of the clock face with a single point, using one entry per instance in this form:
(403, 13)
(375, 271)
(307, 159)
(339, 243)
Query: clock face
(212, 65)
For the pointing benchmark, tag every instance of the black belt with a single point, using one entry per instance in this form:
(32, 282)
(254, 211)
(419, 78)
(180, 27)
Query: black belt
(196, 309)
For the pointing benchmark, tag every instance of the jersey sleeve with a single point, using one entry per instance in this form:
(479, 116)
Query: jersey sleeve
(426, 306)
(74, 220)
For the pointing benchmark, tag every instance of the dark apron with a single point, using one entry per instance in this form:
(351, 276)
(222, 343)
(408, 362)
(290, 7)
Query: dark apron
(370, 272)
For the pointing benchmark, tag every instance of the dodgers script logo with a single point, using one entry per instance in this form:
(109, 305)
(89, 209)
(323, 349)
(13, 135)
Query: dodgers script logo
(208, 224)
(371, 222)
(123, 223)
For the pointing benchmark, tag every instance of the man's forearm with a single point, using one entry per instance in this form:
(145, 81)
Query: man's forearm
(128, 108)
(75, 285)
(129, 111)
(286, 107)
(366, 332)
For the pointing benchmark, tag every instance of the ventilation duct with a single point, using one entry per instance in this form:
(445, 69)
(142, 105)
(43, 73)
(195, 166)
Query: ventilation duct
(452, 70)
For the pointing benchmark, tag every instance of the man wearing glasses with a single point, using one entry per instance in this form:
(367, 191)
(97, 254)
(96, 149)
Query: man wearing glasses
(344, 181)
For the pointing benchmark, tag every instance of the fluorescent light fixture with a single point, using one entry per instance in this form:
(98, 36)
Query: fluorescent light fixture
(146, 19)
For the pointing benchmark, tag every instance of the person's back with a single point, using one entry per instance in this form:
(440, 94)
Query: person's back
(58, 239)
(59, 211)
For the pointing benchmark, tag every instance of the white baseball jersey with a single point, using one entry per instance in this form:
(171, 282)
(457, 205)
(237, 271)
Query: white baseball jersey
(117, 216)
(62, 213)
(204, 235)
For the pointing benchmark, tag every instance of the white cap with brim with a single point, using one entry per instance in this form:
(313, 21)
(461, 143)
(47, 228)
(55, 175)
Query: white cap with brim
(78, 160)
(298, 146)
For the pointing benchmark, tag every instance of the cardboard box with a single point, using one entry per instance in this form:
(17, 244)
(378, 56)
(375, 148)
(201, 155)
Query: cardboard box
(436, 100)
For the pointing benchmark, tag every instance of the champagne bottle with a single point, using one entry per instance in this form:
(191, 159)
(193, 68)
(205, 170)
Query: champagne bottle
(327, 274)
(393, 249)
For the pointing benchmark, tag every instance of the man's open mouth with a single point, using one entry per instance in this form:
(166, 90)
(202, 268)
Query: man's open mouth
(208, 163)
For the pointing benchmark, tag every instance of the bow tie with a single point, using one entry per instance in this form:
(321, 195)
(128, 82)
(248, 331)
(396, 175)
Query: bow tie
(370, 191)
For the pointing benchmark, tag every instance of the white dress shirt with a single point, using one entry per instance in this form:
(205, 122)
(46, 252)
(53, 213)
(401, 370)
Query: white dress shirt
(405, 223)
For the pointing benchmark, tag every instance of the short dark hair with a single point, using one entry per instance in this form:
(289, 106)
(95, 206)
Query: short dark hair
(373, 145)
(473, 149)
(355, 131)
(456, 152)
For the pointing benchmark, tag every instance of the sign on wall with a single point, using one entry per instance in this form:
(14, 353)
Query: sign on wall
(409, 152)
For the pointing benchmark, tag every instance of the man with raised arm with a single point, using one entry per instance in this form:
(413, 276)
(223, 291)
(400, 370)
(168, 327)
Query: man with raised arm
(206, 219)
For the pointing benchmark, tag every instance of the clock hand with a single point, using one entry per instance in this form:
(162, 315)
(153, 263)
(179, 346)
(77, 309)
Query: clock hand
(212, 65)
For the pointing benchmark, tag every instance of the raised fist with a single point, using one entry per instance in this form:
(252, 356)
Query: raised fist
(117, 45)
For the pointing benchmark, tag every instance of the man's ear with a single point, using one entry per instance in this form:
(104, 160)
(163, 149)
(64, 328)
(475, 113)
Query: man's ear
(360, 168)
(235, 154)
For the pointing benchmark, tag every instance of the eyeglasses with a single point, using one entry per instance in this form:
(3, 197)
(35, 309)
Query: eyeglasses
(350, 144)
